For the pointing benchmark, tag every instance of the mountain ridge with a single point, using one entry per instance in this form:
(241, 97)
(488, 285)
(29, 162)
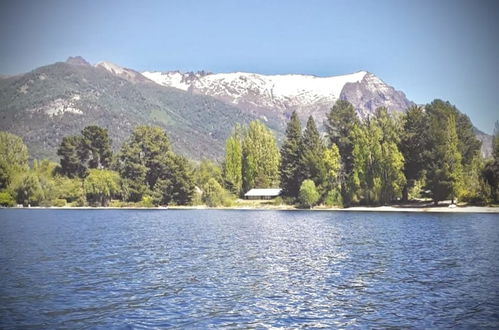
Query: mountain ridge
(198, 109)
(284, 92)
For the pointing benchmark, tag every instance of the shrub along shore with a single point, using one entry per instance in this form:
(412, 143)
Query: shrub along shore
(427, 152)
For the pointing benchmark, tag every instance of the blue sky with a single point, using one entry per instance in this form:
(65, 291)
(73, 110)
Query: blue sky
(428, 49)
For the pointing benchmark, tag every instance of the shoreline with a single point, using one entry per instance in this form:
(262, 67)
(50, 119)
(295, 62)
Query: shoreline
(433, 209)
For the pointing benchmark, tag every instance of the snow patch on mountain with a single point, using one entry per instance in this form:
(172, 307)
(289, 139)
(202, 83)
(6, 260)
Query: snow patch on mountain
(170, 79)
(276, 91)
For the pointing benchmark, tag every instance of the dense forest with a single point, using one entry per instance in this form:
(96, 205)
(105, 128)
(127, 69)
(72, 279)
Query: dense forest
(427, 152)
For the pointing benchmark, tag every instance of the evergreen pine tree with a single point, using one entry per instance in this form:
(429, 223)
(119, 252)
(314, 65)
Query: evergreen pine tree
(291, 177)
(96, 147)
(312, 154)
(148, 166)
(69, 151)
(339, 126)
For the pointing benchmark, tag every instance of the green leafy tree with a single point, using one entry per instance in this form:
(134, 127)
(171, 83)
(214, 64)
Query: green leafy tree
(260, 158)
(290, 158)
(205, 171)
(148, 166)
(95, 147)
(311, 165)
(414, 146)
(176, 184)
(213, 193)
(233, 164)
(331, 182)
(468, 144)
(364, 184)
(6, 199)
(490, 173)
(475, 189)
(13, 158)
(183, 181)
(445, 173)
(340, 123)
(354, 183)
(45, 170)
(69, 189)
(308, 195)
(377, 176)
(70, 151)
(100, 186)
(390, 165)
(143, 159)
(28, 190)
(91, 149)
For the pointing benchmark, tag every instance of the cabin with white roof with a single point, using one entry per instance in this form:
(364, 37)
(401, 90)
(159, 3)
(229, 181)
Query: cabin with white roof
(263, 193)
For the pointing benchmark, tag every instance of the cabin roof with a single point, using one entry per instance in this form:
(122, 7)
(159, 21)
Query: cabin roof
(263, 192)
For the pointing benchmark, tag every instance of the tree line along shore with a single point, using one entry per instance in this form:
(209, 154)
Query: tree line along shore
(428, 152)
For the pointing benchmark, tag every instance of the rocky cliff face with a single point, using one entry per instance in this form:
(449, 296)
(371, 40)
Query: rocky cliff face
(486, 140)
(371, 93)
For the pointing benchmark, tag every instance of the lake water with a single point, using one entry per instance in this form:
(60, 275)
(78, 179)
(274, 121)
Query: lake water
(208, 268)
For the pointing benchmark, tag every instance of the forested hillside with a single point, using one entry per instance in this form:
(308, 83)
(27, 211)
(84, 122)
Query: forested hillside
(60, 99)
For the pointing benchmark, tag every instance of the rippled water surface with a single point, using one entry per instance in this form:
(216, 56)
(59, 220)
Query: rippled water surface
(199, 269)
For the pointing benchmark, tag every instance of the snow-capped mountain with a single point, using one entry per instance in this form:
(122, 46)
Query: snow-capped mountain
(197, 109)
(281, 94)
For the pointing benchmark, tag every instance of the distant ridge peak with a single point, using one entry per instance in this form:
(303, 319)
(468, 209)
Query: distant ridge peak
(125, 73)
(77, 60)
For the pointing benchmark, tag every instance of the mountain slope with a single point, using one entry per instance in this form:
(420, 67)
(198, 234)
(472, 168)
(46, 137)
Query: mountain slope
(279, 95)
(198, 110)
(60, 99)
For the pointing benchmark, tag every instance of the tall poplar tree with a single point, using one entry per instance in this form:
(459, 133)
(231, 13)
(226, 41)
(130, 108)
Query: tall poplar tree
(354, 185)
(331, 188)
(260, 158)
(233, 164)
(290, 158)
(391, 161)
(339, 126)
(377, 176)
(13, 158)
(445, 168)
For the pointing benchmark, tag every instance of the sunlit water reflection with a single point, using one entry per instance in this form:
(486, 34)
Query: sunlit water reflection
(200, 269)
